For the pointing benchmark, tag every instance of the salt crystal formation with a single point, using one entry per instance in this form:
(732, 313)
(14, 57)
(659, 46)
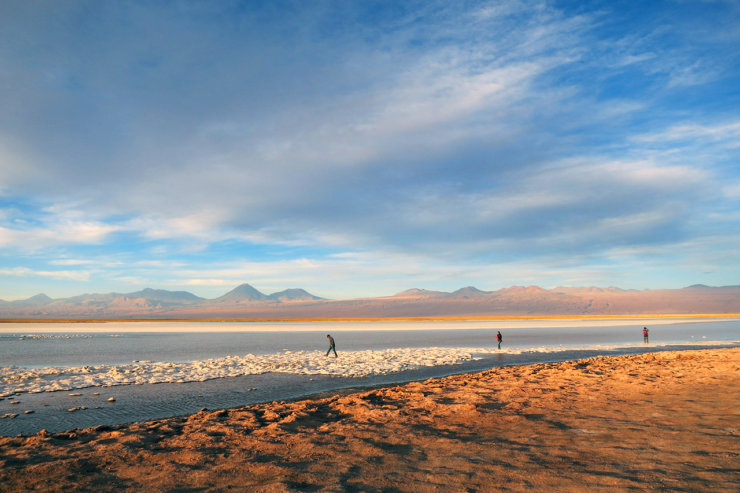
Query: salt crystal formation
(14, 379)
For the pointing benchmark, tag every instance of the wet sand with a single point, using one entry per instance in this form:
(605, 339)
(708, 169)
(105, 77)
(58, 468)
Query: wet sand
(656, 421)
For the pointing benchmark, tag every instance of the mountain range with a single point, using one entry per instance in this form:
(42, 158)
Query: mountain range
(246, 302)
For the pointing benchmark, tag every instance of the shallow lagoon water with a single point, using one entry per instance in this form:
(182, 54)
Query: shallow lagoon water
(286, 363)
(61, 345)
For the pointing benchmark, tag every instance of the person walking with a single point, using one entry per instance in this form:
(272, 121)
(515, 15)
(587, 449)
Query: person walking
(332, 346)
(499, 338)
(645, 334)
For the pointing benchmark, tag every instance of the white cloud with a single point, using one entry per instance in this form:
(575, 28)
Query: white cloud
(727, 134)
(206, 282)
(72, 262)
(67, 275)
(631, 59)
(133, 280)
(694, 74)
(67, 232)
(202, 224)
(731, 190)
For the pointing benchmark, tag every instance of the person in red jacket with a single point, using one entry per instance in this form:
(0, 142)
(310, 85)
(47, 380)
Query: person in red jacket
(499, 338)
(645, 334)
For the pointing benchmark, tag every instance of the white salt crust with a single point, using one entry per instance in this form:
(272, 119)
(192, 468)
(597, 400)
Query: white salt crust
(14, 379)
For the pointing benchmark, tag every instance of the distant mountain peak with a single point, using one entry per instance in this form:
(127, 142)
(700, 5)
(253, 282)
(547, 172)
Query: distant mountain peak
(417, 292)
(293, 294)
(164, 295)
(469, 291)
(243, 292)
(523, 289)
(40, 298)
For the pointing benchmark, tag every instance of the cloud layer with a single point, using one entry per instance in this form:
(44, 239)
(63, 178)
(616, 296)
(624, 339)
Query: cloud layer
(355, 149)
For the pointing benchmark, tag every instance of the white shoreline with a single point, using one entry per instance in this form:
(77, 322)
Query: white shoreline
(335, 326)
(19, 380)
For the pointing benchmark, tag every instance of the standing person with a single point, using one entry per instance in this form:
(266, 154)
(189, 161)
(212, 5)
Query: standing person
(332, 347)
(645, 334)
(499, 338)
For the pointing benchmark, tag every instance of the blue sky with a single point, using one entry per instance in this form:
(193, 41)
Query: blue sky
(363, 148)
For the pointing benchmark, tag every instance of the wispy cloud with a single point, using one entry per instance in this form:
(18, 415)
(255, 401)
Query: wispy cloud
(53, 231)
(725, 134)
(74, 275)
(199, 144)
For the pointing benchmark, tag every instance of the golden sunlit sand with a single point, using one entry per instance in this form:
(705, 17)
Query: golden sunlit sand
(666, 421)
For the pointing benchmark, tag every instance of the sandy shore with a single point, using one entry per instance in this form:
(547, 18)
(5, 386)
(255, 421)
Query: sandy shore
(659, 421)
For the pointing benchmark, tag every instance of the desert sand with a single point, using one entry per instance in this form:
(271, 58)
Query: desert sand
(666, 421)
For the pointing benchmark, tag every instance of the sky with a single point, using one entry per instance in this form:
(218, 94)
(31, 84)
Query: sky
(362, 148)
